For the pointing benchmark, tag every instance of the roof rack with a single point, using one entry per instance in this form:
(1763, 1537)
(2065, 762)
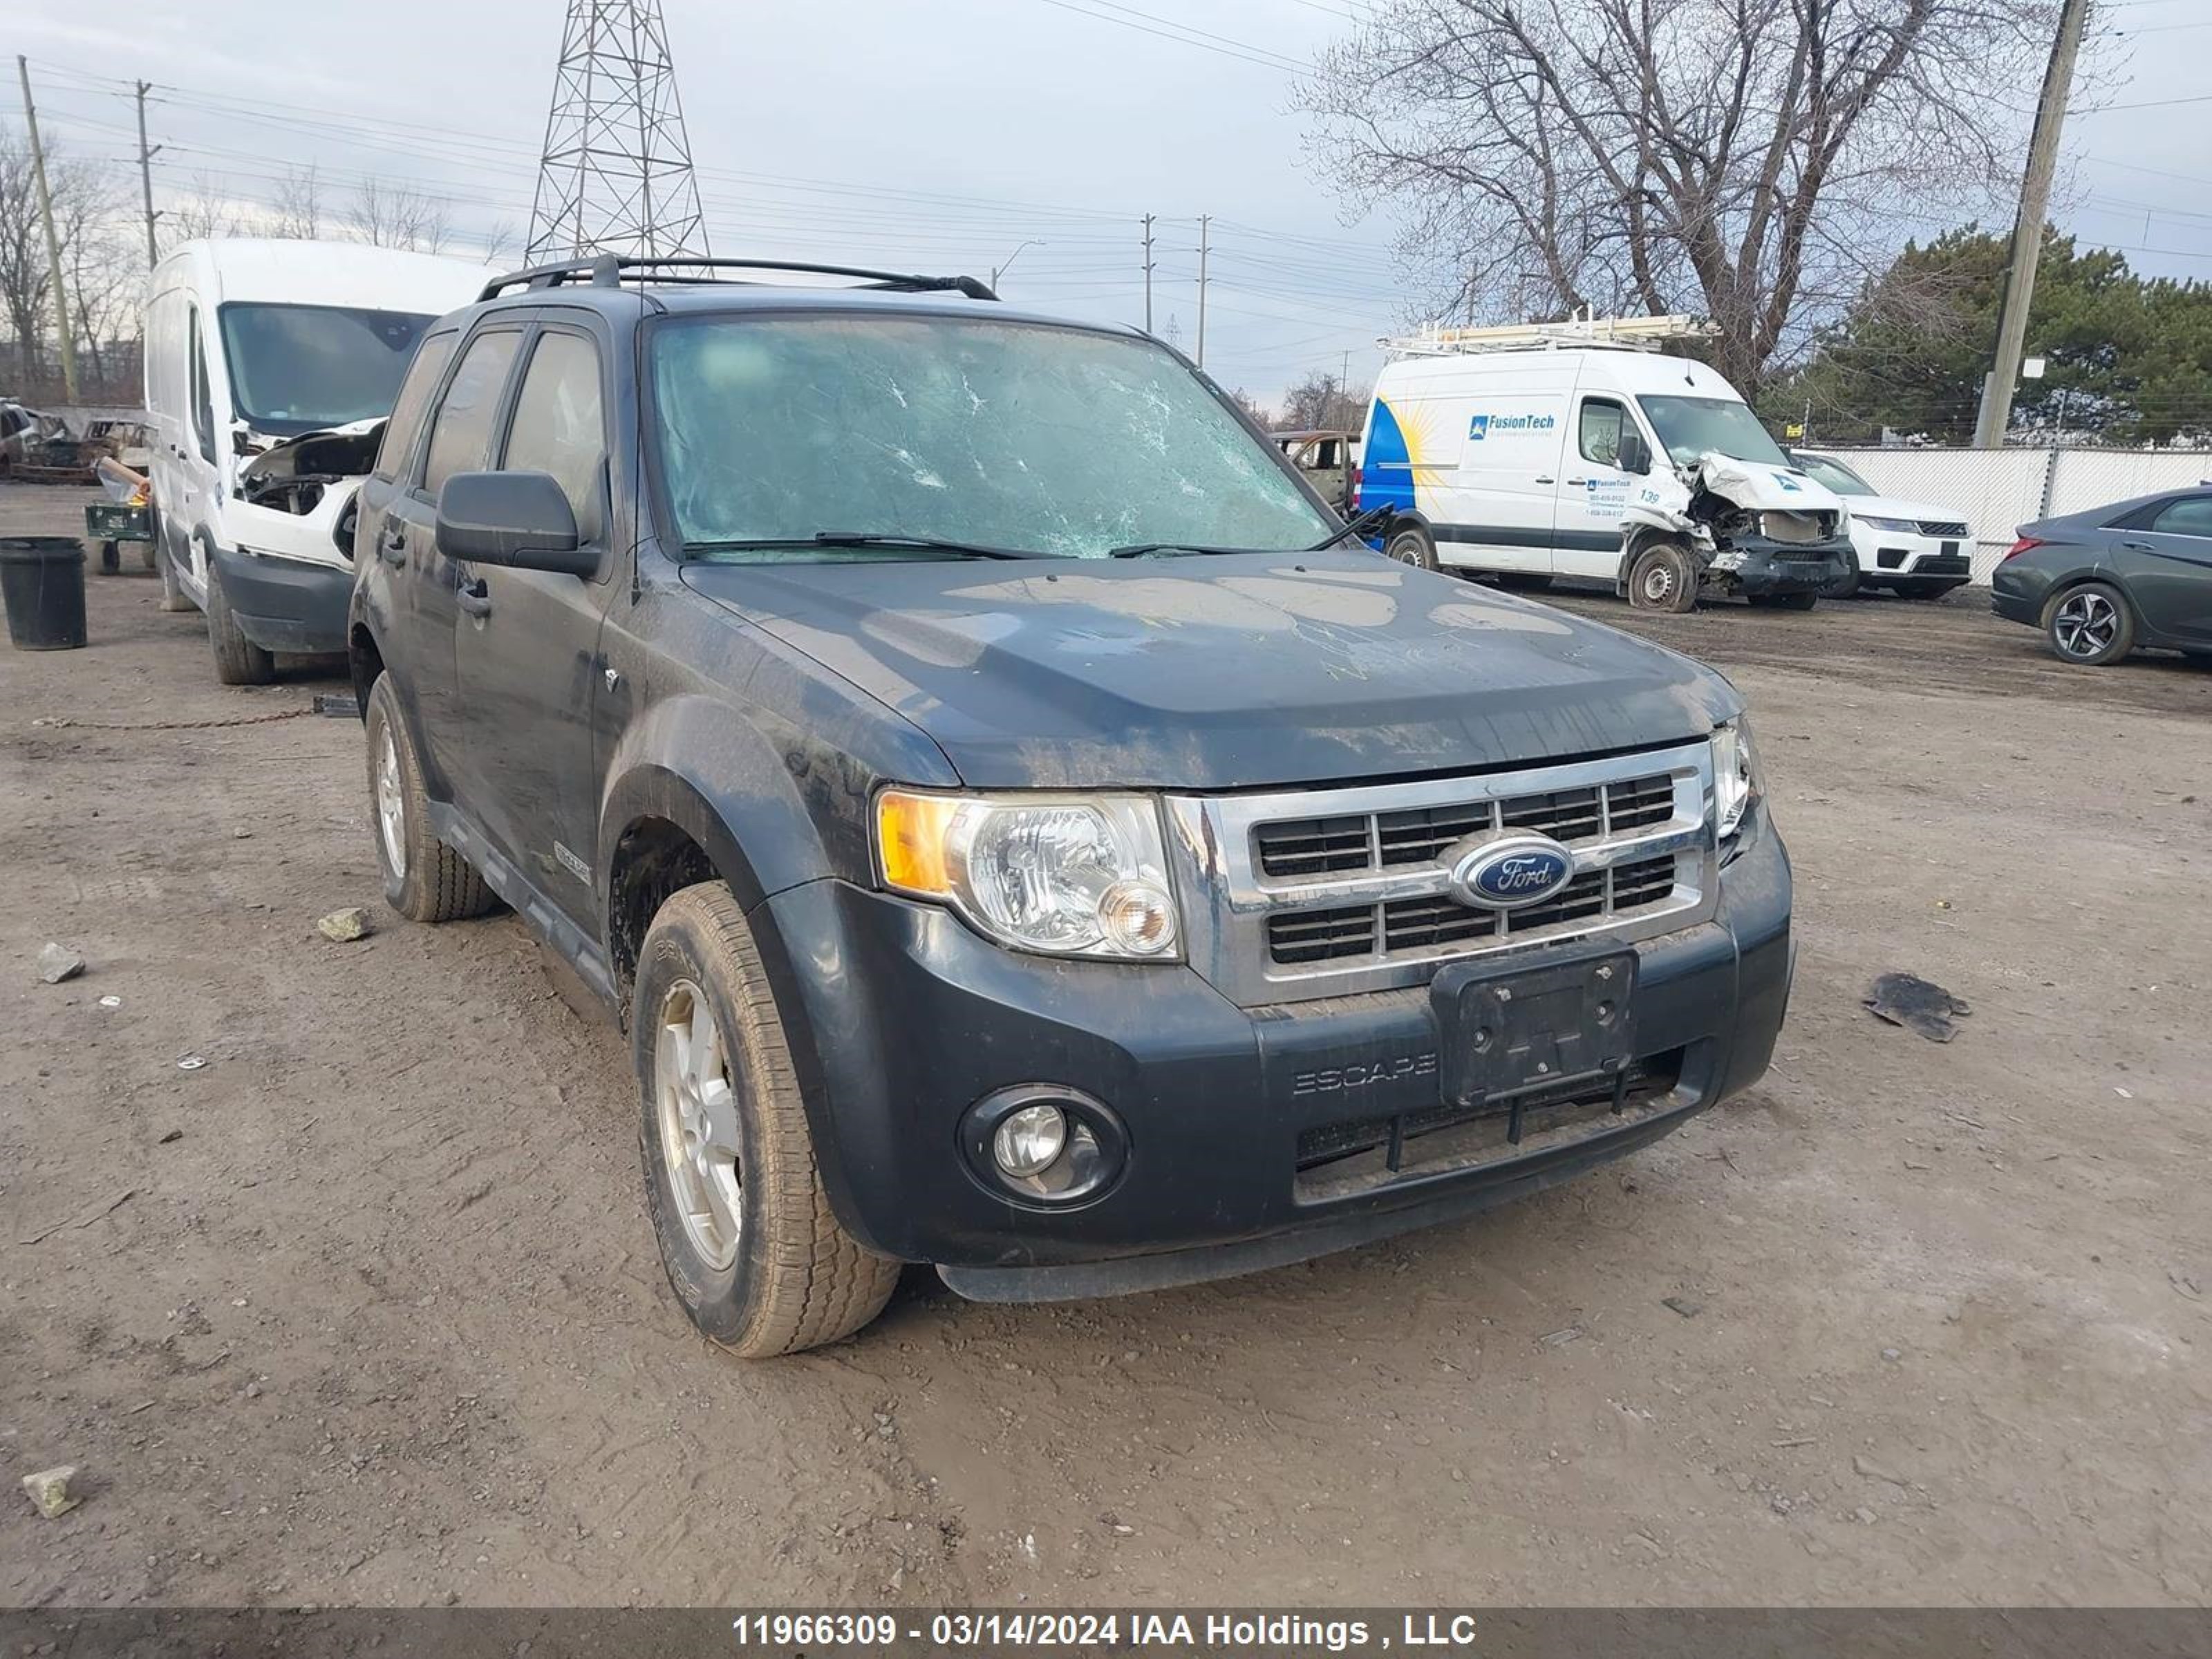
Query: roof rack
(1612, 333)
(609, 269)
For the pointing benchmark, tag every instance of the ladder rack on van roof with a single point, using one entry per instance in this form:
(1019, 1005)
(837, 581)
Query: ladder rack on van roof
(1608, 333)
(610, 271)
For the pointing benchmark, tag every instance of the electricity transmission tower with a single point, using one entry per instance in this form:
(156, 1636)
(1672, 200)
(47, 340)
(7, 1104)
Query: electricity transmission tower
(617, 176)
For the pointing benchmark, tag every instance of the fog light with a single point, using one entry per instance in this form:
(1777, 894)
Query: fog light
(1030, 1141)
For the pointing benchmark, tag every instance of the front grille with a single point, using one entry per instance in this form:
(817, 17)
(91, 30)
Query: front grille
(1291, 848)
(1433, 922)
(1298, 894)
(1942, 527)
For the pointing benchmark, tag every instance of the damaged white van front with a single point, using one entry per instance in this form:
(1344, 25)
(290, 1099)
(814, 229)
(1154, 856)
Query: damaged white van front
(271, 368)
(1580, 450)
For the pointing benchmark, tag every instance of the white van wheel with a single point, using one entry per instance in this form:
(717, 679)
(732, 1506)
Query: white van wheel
(1664, 578)
(173, 596)
(1410, 544)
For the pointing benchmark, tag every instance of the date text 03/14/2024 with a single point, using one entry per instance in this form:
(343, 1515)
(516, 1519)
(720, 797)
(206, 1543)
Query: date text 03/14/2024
(1218, 1632)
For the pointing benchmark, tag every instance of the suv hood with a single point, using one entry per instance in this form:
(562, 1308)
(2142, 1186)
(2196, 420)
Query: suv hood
(1221, 671)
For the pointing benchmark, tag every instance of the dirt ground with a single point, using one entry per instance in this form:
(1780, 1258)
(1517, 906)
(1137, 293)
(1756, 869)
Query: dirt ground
(366, 1310)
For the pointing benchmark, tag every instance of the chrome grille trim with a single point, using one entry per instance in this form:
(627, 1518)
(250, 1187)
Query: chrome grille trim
(1228, 899)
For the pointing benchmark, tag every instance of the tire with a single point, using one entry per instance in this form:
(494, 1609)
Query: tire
(1785, 601)
(424, 879)
(2090, 625)
(173, 596)
(1525, 582)
(1664, 577)
(751, 1245)
(1410, 544)
(238, 661)
(1845, 587)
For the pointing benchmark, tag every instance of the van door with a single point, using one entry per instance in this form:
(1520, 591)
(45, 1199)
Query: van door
(1503, 494)
(1594, 495)
(197, 485)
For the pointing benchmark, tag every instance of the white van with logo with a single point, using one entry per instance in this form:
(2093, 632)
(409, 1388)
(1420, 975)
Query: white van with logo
(1577, 450)
(271, 368)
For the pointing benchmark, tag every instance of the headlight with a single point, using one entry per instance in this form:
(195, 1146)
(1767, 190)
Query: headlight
(1066, 875)
(1735, 774)
(1894, 526)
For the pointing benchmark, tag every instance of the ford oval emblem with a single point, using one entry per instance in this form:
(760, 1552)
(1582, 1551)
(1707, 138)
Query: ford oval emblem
(1508, 873)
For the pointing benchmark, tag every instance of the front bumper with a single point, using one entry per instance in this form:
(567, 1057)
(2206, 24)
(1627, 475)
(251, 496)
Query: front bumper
(1251, 1132)
(1884, 553)
(1755, 566)
(286, 605)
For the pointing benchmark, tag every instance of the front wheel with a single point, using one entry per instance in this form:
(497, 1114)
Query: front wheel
(751, 1247)
(1664, 578)
(1409, 544)
(173, 596)
(238, 661)
(2091, 625)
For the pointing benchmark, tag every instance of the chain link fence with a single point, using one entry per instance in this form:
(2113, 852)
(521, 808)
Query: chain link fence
(1997, 490)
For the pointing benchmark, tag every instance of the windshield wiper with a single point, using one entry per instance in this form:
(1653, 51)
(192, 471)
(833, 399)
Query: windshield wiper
(1371, 519)
(951, 549)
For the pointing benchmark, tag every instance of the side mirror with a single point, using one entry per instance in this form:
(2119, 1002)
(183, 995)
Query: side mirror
(516, 520)
(1635, 453)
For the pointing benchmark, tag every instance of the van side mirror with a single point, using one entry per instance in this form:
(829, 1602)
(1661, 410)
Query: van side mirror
(1635, 453)
(516, 520)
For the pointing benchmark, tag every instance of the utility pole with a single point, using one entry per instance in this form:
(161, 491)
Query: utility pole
(1344, 390)
(146, 154)
(1204, 220)
(1148, 273)
(2028, 228)
(53, 242)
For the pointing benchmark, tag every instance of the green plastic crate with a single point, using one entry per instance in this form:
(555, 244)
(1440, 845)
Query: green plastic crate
(116, 521)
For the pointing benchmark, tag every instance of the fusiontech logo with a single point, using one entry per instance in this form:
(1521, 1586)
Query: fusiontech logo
(1479, 426)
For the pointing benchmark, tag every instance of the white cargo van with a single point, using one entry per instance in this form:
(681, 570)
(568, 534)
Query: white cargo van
(271, 367)
(1580, 450)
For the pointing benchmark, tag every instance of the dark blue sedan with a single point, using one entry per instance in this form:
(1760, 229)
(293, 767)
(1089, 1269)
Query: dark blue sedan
(2100, 583)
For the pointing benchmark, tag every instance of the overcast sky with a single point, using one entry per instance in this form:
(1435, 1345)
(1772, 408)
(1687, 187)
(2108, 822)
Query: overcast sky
(944, 134)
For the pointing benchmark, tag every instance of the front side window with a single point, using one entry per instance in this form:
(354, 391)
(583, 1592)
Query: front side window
(2189, 516)
(460, 437)
(413, 402)
(299, 368)
(557, 427)
(1052, 440)
(1835, 474)
(1599, 431)
(1689, 427)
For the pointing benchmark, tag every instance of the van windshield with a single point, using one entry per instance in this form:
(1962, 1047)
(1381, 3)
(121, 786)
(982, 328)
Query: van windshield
(1691, 426)
(1051, 440)
(296, 368)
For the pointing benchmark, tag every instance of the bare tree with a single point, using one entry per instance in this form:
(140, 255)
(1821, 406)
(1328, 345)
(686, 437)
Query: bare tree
(1322, 402)
(203, 211)
(298, 212)
(385, 215)
(1746, 160)
(83, 202)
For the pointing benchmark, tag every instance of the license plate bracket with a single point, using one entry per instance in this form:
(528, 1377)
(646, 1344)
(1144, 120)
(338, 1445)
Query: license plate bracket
(1505, 1032)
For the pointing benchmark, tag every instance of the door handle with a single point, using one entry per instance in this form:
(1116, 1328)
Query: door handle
(2139, 547)
(391, 545)
(1546, 477)
(473, 597)
(1578, 482)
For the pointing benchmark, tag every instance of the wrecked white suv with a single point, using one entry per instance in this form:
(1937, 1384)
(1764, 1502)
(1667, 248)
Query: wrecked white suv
(1577, 450)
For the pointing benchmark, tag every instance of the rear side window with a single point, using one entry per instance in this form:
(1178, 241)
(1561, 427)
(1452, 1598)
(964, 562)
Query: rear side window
(1598, 434)
(413, 401)
(460, 437)
(203, 395)
(557, 427)
(2189, 516)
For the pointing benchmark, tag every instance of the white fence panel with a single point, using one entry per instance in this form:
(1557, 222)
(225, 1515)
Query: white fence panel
(2089, 478)
(1997, 490)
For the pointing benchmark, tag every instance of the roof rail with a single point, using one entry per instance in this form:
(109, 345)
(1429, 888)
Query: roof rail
(1614, 333)
(608, 270)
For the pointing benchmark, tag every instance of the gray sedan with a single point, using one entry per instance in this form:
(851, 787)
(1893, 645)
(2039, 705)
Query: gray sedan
(2100, 583)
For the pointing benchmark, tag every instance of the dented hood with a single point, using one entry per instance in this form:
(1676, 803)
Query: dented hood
(1761, 486)
(1221, 671)
(342, 452)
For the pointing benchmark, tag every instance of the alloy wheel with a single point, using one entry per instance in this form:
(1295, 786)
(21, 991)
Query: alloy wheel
(698, 1118)
(390, 804)
(2086, 624)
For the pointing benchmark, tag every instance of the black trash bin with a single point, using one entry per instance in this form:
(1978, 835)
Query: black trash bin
(42, 581)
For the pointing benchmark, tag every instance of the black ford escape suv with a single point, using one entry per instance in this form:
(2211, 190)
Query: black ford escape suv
(1016, 832)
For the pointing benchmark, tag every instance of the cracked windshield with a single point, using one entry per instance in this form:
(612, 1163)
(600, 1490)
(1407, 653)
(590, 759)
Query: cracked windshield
(1007, 435)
